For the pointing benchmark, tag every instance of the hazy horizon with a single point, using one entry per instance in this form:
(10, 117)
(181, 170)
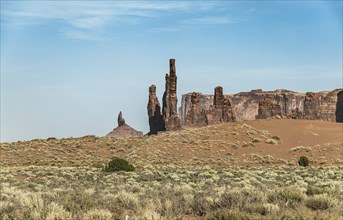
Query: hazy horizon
(68, 68)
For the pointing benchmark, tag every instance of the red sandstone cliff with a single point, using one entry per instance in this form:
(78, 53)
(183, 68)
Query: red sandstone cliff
(245, 105)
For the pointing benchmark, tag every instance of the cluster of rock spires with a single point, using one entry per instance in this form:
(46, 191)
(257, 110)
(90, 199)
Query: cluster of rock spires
(219, 111)
(169, 119)
(200, 110)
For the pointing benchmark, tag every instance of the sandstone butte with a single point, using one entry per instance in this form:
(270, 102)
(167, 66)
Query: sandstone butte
(199, 109)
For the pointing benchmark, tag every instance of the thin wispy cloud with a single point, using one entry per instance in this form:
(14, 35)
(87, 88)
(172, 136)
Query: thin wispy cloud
(87, 20)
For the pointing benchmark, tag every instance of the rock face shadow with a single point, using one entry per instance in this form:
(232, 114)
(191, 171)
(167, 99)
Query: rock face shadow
(339, 107)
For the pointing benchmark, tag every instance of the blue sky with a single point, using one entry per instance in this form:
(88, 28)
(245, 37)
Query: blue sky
(68, 68)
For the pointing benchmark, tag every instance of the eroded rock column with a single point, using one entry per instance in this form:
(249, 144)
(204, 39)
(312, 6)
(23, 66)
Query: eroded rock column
(170, 116)
(196, 116)
(154, 112)
(221, 110)
(121, 120)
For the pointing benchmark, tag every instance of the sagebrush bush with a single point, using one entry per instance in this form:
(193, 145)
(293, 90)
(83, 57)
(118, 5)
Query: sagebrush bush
(303, 161)
(228, 214)
(315, 190)
(118, 164)
(127, 200)
(285, 193)
(202, 204)
(97, 214)
(262, 208)
(57, 212)
(319, 202)
(231, 199)
(289, 197)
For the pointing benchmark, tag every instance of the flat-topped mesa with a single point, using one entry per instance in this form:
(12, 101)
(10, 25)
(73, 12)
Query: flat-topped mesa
(221, 110)
(170, 115)
(339, 107)
(324, 105)
(154, 112)
(268, 108)
(121, 120)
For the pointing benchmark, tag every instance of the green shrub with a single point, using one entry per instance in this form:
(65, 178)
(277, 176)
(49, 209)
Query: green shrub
(118, 164)
(303, 161)
(228, 214)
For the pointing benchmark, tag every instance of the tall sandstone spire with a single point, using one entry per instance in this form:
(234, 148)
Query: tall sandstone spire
(120, 120)
(156, 122)
(170, 115)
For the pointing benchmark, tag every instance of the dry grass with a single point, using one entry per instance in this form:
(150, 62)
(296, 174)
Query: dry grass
(219, 145)
(171, 193)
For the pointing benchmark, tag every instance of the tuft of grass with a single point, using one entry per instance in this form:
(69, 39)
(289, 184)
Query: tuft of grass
(224, 214)
(98, 214)
(271, 141)
(300, 148)
(127, 200)
(287, 197)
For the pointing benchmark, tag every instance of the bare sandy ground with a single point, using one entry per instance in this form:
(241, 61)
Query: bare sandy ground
(325, 139)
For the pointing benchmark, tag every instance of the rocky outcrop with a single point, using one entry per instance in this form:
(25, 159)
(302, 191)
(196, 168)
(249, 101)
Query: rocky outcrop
(328, 104)
(339, 107)
(268, 108)
(321, 105)
(170, 115)
(245, 105)
(156, 122)
(124, 130)
(311, 105)
(221, 110)
(296, 114)
(197, 115)
(121, 120)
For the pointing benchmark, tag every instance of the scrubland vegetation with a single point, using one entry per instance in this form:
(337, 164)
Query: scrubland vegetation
(228, 171)
(148, 193)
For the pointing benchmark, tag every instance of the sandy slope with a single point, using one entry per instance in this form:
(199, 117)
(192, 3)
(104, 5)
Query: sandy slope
(324, 138)
(262, 142)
